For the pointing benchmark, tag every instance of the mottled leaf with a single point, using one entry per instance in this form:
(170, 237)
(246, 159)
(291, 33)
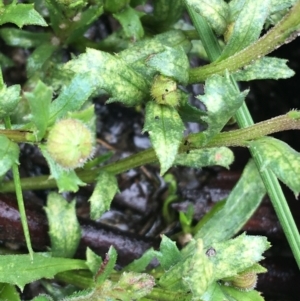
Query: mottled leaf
(66, 180)
(170, 255)
(9, 98)
(239, 207)
(21, 14)
(265, 68)
(72, 97)
(198, 158)
(64, 228)
(21, 269)
(222, 100)
(216, 12)
(165, 128)
(39, 101)
(171, 62)
(278, 9)
(247, 26)
(104, 191)
(9, 154)
(129, 18)
(281, 159)
(112, 74)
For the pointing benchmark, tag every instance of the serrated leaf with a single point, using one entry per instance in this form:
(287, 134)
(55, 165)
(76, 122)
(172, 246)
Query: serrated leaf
(170, 255)
(195, 273)
(235, 255)
(246, 27)
(129, 18)
(239, 207)
(93, 261)
(64, 228)
(198, 158)
(72, 97)
(281, 159)
(108, 72)
(9, 98)
(22, 38)
(21, 14)
(104, 191)
(265, 68)
(165, 128)
(9, 154)
(66, 180)
(9, 292)
(171, 62)
(39, 101)
(20, 269)
(216, 12)
(39, 57)
(222, 100)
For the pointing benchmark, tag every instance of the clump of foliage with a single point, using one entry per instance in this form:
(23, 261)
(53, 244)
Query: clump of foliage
(146, 63)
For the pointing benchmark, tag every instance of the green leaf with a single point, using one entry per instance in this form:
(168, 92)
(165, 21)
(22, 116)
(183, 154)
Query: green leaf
(222, 100)
(42, 298)
(39, 57)
(165, 128)
(39, 101)
(20, 269)
(93, 261)
(104, 191)
(234, 294)
(9, 98)
(195, 273)
(66, 180)
(235, 255)
(64, 228)
(21, 14)
(8, 292)
(198, 158)
(22, 38)
(131, 23)
(107, 266)
(239, 207)
(170, 255)
(108, 72)
(72, 97)
(246, 27)
(279, 8)
(265, 68)
(171, 62)
(9, 154)
(281, 159)
(216, 12)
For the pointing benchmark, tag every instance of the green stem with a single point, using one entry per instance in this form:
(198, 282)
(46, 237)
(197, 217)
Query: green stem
(284, 32)
(18, 136)
(19, 195)
(275, 37)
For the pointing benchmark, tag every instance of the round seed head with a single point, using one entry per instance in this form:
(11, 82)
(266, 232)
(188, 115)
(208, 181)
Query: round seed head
(70, 143)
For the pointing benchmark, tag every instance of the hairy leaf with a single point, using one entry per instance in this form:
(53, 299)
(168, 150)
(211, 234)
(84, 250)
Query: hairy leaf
(216, 12)
(198, 158)
(246, 27)
(281, 159)
(39, 101)
(265, 68)
(9, 154)
(21, 14)
(64, 228)
(108, 72)
(104, 191)
(165, 128)
(20, 269)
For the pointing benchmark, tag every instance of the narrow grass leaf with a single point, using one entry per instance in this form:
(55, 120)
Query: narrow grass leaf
(104, 191)
(247, 26)
(264, 68)
(20, 269)
(21, 14)
(39, 101)
(281, 159)
(64, 228)
(165, 128)
(9, 154)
